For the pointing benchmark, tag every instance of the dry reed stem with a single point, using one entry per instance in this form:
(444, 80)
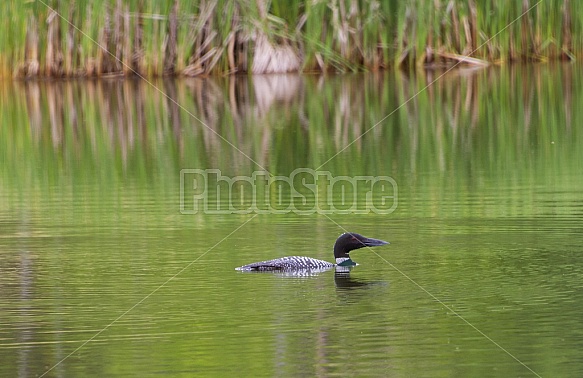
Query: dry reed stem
(54, 55)
(171, 44)
(567, 45)
(138, 48)
(31, 66)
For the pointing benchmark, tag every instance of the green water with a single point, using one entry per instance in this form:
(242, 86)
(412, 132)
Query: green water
(101, 274)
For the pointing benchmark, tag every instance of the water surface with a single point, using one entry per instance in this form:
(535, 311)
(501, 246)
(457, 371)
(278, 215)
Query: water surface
(101, 274)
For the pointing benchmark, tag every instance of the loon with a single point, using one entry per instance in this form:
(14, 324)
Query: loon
(344, 244)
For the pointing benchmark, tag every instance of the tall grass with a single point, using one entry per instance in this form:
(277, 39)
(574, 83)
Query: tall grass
(202, 37)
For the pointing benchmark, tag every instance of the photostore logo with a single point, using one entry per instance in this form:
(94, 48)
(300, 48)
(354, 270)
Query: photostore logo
(305, 191)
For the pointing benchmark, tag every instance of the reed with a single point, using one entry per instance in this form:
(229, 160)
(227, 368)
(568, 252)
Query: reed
(202, 37)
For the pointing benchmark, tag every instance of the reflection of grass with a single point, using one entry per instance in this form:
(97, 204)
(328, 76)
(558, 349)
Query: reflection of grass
(491, 131)
(222, 36)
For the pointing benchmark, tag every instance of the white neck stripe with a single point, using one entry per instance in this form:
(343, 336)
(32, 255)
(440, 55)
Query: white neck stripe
(340, 260)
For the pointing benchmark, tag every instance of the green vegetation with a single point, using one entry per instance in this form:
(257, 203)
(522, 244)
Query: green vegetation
(188, 37)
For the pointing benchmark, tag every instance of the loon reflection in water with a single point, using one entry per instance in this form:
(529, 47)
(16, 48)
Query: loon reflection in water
(346, 243)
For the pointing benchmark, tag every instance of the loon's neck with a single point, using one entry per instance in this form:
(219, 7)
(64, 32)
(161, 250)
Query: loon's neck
(344, 261)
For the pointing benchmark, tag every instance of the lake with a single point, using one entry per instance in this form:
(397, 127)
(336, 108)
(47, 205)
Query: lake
(118, 250)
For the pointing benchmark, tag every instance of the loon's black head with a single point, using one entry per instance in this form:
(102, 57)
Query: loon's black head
(351, 241)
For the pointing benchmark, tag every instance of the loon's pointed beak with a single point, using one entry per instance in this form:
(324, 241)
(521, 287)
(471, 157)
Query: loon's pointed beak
(374, 242)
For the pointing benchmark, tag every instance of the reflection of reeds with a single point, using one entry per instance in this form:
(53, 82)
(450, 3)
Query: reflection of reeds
(112, 129)
(125, 123)
(484, 132)
(200, 37)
